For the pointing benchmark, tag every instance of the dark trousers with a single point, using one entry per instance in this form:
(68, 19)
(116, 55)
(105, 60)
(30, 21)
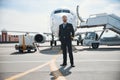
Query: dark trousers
(67, 44)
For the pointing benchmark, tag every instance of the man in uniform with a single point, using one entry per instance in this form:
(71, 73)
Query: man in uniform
(66, 34)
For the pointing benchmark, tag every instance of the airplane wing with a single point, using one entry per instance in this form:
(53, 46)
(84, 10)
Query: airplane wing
(23, 32)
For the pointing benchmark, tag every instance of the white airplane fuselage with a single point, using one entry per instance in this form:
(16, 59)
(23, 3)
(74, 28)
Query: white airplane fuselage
(56, 19)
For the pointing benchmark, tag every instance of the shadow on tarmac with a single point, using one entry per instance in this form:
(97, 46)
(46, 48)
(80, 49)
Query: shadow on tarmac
(64, 71)
(53, 51)
(20, 53)
(50, 51)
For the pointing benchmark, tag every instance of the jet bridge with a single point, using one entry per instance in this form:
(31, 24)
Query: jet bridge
(109, 21)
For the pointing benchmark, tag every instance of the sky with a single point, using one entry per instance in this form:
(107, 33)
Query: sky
(34, 15)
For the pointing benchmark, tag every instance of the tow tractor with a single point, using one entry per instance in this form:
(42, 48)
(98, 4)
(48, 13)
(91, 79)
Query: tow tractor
(26, 44)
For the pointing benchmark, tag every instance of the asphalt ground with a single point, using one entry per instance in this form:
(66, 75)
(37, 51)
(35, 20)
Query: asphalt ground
(90, 64)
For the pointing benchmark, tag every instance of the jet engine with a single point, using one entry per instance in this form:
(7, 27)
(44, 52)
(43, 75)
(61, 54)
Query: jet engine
(40, 38)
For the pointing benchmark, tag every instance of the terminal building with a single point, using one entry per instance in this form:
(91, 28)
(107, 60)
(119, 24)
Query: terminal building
(8, 38)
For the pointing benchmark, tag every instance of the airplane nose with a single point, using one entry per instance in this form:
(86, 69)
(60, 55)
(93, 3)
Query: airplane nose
(61, 15)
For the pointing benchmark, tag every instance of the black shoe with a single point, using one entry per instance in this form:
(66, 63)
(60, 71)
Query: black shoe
(72, 65)
(63, 64)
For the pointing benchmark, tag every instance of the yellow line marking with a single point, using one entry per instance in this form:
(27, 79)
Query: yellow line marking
(54, 69)
(57, 74)
(26, 72)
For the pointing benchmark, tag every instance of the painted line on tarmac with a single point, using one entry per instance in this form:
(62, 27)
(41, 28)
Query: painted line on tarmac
(5, 62)
(26, 72)
(57, 74)
(54, 69)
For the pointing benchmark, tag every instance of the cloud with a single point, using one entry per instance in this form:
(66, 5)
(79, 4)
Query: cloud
(13, 20)
(33, 15)
(88, 7)
(113, 8)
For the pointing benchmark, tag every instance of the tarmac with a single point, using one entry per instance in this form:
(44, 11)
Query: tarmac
(90, 64)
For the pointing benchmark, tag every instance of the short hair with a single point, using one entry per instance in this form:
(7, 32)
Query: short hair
(64, 16)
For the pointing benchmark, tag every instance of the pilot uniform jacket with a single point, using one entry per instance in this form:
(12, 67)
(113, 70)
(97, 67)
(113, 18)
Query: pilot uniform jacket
(67, 32)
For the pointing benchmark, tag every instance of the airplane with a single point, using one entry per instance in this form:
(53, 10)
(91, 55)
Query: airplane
(55, 21)
(26, 42)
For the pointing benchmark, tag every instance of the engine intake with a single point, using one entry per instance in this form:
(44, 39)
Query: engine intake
(40, 38)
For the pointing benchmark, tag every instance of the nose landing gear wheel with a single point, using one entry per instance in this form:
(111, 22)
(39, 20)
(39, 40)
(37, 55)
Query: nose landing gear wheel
(53, 43)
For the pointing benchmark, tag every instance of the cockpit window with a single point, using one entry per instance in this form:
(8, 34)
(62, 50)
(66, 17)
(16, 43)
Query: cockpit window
(60, 11)
(57, 11)
(66, 11)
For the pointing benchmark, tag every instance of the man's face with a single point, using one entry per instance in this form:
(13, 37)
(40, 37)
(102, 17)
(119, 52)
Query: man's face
(64, 19)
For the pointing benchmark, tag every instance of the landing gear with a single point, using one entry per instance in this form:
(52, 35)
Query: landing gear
(77, 43)
(53, 43)
(79, 40)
